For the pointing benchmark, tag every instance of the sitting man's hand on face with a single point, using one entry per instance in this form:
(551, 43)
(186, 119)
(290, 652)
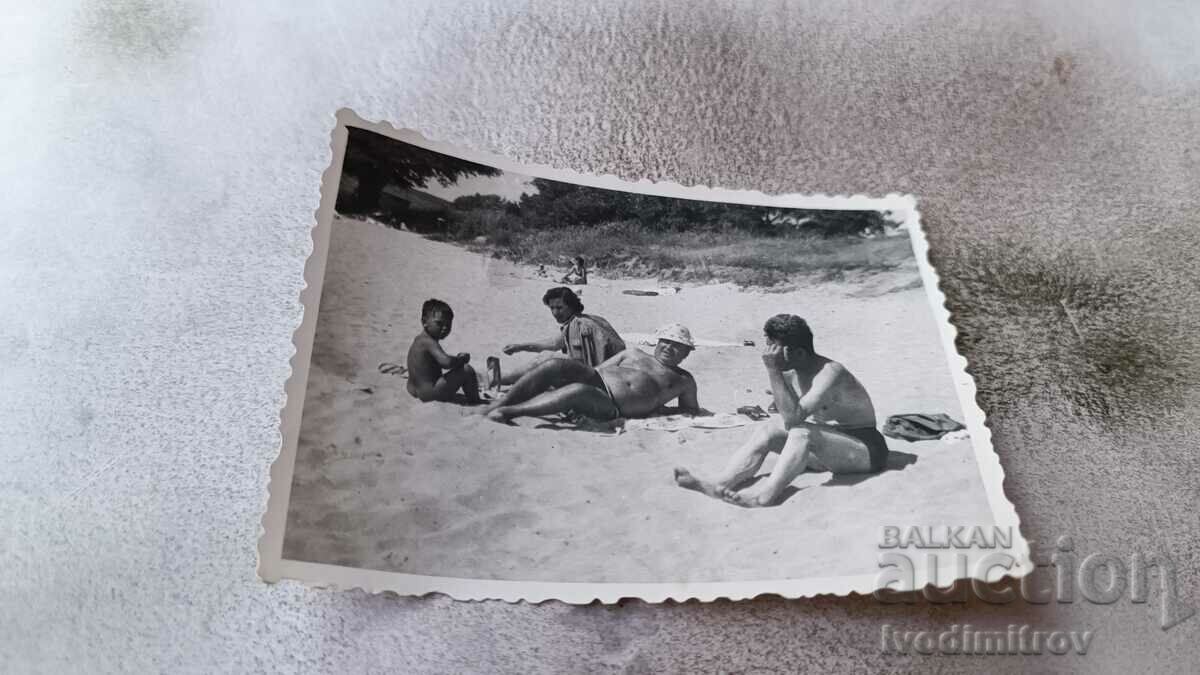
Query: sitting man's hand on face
(773, 357)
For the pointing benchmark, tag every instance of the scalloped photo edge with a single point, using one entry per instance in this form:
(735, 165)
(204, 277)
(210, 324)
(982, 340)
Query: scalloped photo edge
(273, 567)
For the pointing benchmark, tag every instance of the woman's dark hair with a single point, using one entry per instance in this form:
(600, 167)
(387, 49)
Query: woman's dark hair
(789, 330)
(566, 295)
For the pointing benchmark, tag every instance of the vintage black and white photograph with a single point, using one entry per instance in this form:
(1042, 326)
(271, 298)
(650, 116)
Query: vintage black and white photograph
(521, 375)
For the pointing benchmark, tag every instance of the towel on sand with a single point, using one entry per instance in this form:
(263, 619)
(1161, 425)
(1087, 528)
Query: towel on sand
(679, 422)
(919, 427)
(660, 423)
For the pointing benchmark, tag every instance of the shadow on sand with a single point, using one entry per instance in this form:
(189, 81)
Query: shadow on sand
(583, 424)
(897, 461)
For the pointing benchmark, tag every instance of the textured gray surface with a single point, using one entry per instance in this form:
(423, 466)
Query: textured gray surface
(161, 161)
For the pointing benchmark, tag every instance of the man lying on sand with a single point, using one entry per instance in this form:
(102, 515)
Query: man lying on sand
(427, 360)
(587, 338)
(630, 384)
(827, 422)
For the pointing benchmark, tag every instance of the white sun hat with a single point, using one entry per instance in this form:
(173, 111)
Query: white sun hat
(675, 332)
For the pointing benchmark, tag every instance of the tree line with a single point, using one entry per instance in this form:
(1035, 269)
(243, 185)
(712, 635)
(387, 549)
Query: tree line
(558, 205)
(374, 162)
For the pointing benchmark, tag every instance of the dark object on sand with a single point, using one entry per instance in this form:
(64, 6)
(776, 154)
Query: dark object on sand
(918, 427)
(747, 343)
(754, 412)
(637, 292)
(493, 372)
(393, 369)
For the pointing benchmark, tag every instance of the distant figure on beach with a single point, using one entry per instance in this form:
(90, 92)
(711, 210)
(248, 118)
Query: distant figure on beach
(827, 422)
(434, 375)
(586, 338)
(578, 272)
(630, 384)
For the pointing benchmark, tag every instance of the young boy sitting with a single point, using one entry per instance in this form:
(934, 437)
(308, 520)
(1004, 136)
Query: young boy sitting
(427, 360)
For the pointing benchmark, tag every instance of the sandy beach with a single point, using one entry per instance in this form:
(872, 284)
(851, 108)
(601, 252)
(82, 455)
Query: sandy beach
(384, 482)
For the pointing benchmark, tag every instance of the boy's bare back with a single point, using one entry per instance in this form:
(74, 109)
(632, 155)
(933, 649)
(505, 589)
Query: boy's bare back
(423, 369)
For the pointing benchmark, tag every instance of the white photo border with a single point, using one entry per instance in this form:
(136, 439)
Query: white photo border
(273, 567)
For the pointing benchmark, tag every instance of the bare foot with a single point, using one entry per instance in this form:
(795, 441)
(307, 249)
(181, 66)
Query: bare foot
(490, 403)
(685, 479)
(748, 498)
(497, 416)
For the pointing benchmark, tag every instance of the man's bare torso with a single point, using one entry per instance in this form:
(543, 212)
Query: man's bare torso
(640, 384)
(846, 403)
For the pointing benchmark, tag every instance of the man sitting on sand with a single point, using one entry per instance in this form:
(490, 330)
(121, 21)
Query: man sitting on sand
(427, 360)
(630, 384)
(828, 422)
(587, 338)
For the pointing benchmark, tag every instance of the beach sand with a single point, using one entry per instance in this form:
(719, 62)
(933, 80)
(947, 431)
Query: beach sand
(383, 482)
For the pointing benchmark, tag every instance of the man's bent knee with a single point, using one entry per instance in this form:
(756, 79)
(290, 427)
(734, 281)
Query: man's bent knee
(800, 431)
(768, 437)
(809, 438)
(773, 429)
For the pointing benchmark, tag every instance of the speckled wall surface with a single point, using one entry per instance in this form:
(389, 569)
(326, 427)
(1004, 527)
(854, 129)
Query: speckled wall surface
(161, 162)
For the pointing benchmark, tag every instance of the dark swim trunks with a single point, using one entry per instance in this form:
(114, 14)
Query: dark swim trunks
(875, 442)
(604, 386)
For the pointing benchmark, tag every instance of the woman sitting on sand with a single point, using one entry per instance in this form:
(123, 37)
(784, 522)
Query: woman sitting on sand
(583, 337)
(578, 272)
